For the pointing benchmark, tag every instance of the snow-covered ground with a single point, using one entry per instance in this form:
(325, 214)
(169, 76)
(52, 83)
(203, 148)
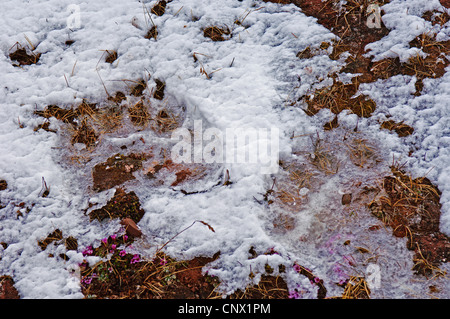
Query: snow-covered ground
(257, 71)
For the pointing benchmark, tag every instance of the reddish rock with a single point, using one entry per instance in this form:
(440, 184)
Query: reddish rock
(346, 199)
(131, 228)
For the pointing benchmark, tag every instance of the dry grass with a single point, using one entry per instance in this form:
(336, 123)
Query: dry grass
(111, 56)
(84, 133)
(159, 8)
(422, 265)
(139, 113)
(24, 55)
(323, 159)
(361, 153)
(400, 128)
(217, 33)
(165, 121)
(339, 97)
(356, 288)
(269, 287)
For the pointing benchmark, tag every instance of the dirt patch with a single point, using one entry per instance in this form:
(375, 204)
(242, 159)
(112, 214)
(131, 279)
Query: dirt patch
(269, 287)
(159, 8)
(337, 98)
(216, 33)
(84, 134)
(121, 205)
(3, 185)
(411, 207)
(116, 170)
(7, 289)
(437, 17)
(152, 33)
(56, 237)
(52, 237)
(127, 276)
(138, 88)
(118, 97)
(349, 23)
(177, 173)
(67, 116)
(401, 129)
(23, 55)
(159, 92)
(139, 113)
(445, 3)
(111, 56)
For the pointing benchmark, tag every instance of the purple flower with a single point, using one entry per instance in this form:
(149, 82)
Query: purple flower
(162, 261)
(316, 280)
(125, 237)
(105, 241)
(122, 253)
(294, 294)
(113, 247)
(297, 267)
(136, 258)
(88, 251)
(87, 280)
(113, 237)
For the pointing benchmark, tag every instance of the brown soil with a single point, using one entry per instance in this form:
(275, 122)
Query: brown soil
(152, 33)
(160, 278)
(445, 3)
(139, 88)
(216, 33)
(349, 25)
(67, 116)
(7, 289)
(400, 128)
(111, 56)
(121, 205)
(411, 207)
(118, 97)
(116, 170)
(84, 134)
(24, 56)
(159, 92)
(139, 113)
(52, 237)
(436, 17)
(3, 185)
(159, 8)
(269, 287)
(56, 237)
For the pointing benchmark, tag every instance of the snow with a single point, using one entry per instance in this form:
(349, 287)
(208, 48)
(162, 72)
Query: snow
(249, 93)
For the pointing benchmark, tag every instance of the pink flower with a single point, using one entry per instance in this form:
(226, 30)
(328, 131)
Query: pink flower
(297, 268)
(113, 237)
(88, 251)
(122, 253)
(125, 237)
(163, 261)
(87, 280)
(113, 247)
(136, 258)
(316, 280)
(105, 241)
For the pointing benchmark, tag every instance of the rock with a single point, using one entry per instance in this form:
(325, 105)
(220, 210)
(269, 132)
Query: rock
(131, 228)
(346, 199)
